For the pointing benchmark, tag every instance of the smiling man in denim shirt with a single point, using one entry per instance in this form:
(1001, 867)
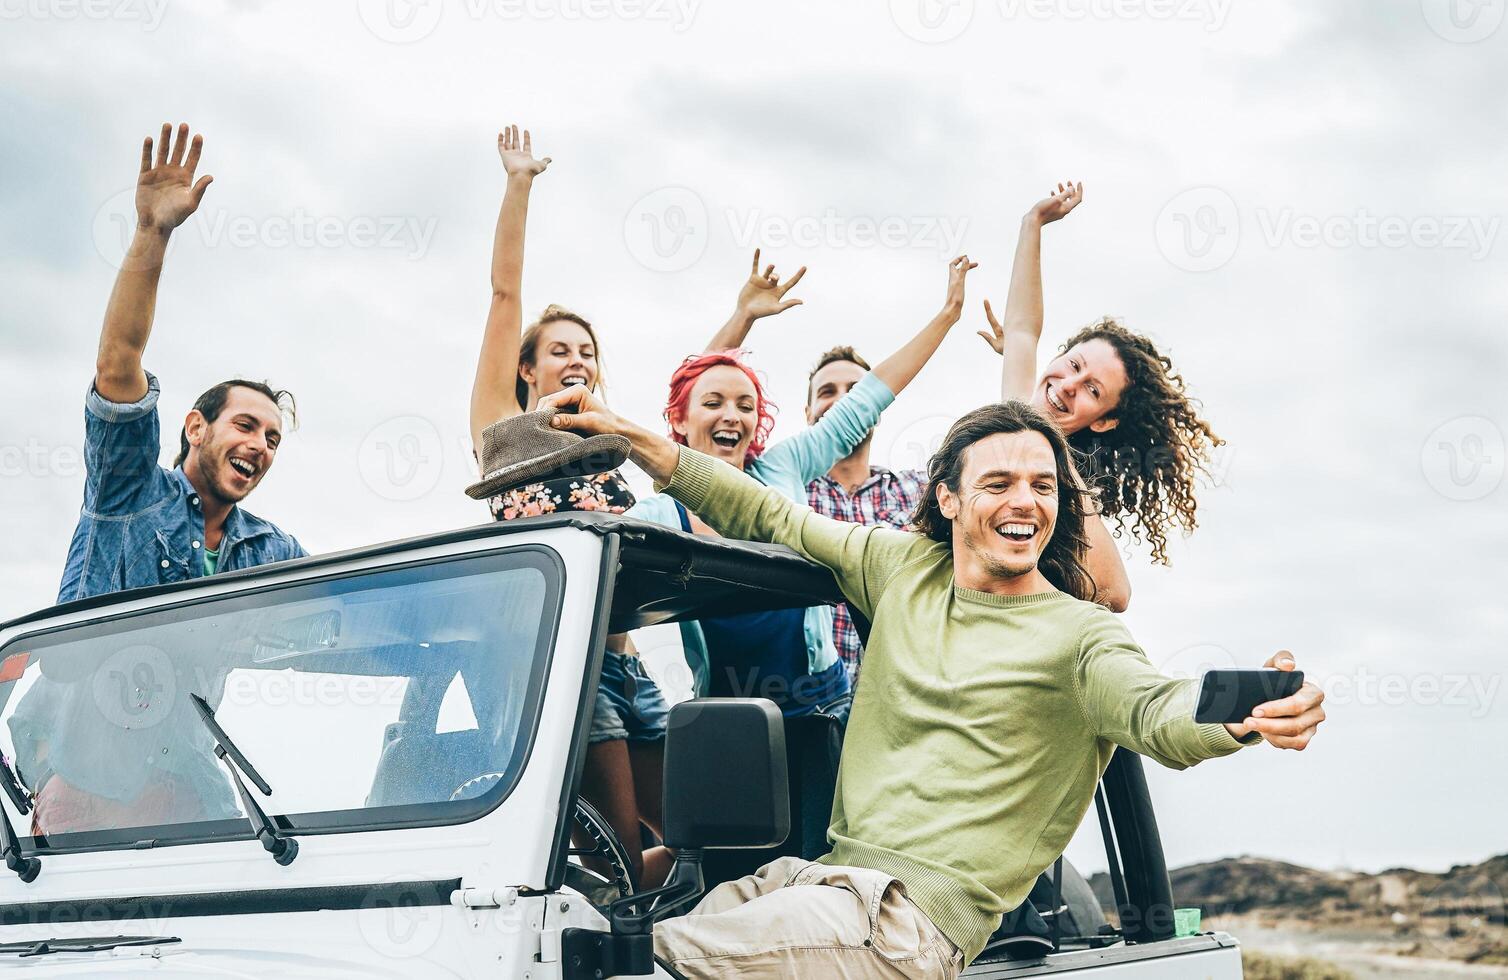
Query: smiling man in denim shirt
(143, 524)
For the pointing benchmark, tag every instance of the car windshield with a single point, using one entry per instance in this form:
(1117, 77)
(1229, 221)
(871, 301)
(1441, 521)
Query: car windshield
(401, 696)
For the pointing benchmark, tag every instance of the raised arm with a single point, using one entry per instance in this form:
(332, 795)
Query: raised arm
(762, 295)
(899, 368)
(1016, 338)
(166, 195)
(493, 394)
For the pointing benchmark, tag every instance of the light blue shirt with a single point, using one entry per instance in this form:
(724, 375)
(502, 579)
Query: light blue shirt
(787, 467)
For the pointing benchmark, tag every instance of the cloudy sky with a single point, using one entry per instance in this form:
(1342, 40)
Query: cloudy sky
(1302, 205)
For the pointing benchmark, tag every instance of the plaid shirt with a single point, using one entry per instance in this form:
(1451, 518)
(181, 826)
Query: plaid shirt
(886, 497)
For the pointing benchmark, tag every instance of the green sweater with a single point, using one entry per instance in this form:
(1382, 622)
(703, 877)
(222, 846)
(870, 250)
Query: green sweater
(984, 721)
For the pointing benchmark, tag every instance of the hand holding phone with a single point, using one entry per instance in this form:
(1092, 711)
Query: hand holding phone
(1228, 697)
(1274, 702)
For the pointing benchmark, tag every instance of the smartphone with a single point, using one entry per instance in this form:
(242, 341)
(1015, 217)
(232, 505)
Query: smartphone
(1227, 697)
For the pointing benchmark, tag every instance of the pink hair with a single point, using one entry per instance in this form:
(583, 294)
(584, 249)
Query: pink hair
(684, 379)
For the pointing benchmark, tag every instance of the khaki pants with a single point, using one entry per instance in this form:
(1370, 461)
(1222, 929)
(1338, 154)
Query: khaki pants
(794, 918)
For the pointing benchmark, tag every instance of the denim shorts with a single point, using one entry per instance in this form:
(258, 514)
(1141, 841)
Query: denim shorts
(629, 703)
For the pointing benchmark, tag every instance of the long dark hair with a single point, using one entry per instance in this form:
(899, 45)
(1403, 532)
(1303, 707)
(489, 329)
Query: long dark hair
(1062, 559)
(1147, 468)
(212, 403)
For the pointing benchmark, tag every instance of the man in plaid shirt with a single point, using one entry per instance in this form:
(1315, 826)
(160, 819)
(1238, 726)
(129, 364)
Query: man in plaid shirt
(853, 490)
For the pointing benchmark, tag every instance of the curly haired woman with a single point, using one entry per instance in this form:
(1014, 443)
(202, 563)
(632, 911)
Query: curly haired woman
(1118, 400)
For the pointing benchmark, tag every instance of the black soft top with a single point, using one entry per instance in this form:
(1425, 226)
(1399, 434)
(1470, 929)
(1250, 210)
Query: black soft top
(665, 575)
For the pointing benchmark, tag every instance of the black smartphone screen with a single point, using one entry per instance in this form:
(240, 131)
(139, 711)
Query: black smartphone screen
(1227, 697)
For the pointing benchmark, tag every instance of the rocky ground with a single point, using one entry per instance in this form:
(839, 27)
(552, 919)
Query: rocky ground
(1396, 924)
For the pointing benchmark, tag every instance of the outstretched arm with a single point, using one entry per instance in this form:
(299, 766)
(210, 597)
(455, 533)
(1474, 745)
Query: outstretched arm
(166, 195)
(899, 368)
(861, 557)
(762, 295)
(492, 392)
(1016, 338)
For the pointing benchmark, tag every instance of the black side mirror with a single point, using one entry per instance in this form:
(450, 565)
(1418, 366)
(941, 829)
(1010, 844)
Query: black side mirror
(725, 775)
(725, 786)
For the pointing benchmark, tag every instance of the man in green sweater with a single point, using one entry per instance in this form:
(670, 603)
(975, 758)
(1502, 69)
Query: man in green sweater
(993, 697)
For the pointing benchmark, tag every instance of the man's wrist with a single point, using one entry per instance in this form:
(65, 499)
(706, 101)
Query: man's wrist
(656, 455)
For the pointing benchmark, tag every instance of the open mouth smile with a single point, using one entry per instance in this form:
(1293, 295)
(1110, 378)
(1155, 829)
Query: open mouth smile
(245, 468)
(1018, 531)
(1055, 401)
(572, 379)
(727, 438)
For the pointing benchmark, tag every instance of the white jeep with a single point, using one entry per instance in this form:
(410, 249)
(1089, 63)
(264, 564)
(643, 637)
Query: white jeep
(366, 764)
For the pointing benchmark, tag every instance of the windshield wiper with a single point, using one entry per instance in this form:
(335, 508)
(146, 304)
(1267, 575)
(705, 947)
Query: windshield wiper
(82, 944)
(282, 848)
(26, 868)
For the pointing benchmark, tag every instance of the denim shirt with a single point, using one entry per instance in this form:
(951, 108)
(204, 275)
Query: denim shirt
(141, 523)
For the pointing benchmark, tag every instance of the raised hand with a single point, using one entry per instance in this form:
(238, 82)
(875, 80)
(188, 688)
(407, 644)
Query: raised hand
(995, 336)
(1058, 205)
(764, 294)
(958, 269)
(165, 190)
(518, 155)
